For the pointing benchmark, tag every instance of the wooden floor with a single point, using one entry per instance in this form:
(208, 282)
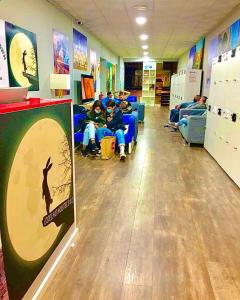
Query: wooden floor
(163, 225)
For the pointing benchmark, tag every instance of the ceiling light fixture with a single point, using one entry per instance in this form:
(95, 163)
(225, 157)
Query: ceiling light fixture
(145, 53)
(144, 47)
(143, 37)
(141, 20)
(140, 7)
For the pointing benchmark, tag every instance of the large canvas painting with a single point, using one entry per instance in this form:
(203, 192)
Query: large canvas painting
(36, 198)
(4, 82)
(224, 43)
(191, 57)
(61, 53)
(80, 51)
(212, 52)
(198, 58)
(235, 34)
(22, 57)
(93, 67)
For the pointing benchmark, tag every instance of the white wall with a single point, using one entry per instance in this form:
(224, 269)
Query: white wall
(183, 60)
(41, 17)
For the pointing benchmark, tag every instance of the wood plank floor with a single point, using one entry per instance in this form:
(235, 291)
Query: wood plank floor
(163, 225)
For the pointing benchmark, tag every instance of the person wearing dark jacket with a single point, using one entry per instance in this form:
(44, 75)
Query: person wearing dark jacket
(124, 105)
(114, 124)
(95, 120)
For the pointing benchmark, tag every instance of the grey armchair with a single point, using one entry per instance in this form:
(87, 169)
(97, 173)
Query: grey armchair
(194, 132)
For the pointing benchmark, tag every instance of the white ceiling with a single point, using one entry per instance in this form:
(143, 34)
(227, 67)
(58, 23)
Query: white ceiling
(173, 25)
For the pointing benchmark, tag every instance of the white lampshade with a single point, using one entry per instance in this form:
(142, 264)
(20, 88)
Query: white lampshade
(60, 82)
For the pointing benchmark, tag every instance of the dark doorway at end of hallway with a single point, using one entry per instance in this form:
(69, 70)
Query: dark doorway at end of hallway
(133, 76)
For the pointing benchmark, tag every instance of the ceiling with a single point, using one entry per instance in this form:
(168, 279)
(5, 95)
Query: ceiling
(173, 26)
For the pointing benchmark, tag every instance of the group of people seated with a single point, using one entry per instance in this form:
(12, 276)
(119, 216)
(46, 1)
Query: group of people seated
(105, 117)
(197, 103)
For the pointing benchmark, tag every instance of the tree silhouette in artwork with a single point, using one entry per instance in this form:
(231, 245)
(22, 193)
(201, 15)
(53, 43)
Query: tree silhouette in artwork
(66, 174)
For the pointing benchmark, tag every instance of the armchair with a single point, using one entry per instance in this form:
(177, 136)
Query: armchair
(194, 131)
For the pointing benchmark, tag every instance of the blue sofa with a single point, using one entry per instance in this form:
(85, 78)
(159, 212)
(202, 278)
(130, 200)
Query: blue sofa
(194, 132)
(132, 98)
(129, 120)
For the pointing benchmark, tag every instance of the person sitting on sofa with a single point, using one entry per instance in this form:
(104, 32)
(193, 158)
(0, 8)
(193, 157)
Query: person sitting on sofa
(125, 94)
(96, 119)
(174, 113)
(185, 119)
(114, 124)
(109, 97)
(124, 105)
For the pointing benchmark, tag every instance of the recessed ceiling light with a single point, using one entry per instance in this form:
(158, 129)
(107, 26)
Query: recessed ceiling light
(141, 20)
(143, 37)
(140, 7)
(145, 53)
(145, 47)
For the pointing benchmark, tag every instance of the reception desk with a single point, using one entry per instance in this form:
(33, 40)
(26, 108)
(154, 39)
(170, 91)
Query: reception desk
(37, 207)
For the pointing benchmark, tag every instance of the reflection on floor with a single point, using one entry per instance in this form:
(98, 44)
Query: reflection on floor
(163, 225)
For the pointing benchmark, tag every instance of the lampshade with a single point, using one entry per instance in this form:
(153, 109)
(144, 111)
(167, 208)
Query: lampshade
(60, 82)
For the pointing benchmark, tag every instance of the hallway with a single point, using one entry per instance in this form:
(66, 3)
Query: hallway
(163, 225)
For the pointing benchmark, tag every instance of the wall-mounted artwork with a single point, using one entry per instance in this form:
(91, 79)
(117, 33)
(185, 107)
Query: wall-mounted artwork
(93, 67)
(4, 82)
(198, 59)
(61, 53)
(224, 43)
(191, 57)
(235, 34)
(22, 57)
(212, 52)
(36, 208)
(80, 51)
(196, 55)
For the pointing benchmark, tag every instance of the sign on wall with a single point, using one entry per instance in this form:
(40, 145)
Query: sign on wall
(36, 198)
(4, 82)
(80, 51)
(22, 57)
(196, 55)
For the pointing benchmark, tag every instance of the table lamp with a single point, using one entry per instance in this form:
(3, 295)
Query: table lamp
(60, 82)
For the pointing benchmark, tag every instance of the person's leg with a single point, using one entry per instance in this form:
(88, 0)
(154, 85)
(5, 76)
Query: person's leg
(89, 135)
(86, 137)
(121, 143)
(183, 121)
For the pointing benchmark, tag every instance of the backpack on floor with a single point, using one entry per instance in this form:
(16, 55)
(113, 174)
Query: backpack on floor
(108, 147)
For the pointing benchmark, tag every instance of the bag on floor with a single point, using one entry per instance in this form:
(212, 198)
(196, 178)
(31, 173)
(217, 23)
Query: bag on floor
(108, 147)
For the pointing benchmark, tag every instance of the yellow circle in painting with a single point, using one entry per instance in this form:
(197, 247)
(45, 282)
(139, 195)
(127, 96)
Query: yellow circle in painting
(25, 205)
(19, 44)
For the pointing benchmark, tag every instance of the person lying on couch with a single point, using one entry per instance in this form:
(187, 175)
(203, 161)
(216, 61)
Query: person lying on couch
(174, 113)
(114, 124)
(185, 120)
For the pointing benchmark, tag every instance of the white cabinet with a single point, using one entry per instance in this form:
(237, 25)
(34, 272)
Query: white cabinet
(184, 86)
(222, 138)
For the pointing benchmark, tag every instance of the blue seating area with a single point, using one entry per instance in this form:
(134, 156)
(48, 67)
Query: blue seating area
(194, 131)
(129, 121)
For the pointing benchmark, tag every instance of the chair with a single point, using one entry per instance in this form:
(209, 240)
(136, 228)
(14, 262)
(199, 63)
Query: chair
(194, 132)
(140, 108)
(132, 98)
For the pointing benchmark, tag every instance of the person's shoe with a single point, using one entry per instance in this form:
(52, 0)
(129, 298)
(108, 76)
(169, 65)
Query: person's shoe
(122, 156)
(94, 149)
(84, 152)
